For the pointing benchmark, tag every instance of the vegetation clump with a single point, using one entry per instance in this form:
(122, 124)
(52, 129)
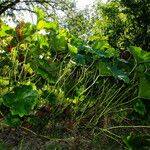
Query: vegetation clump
(63, 88)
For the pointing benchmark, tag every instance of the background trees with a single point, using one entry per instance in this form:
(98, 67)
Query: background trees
(126, 22)
(138, 12)
(12, 9)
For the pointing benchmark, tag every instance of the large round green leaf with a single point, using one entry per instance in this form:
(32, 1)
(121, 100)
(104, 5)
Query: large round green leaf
(120, 74)
(103, 69)
(21, 100)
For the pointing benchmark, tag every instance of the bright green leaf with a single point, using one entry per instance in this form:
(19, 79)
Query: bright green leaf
(21, 100)
(40, 13)
(5, 30)
(28, 69)
(42, 24)
(139, 54)
(103, 69)
(72, 48)
(111, 52)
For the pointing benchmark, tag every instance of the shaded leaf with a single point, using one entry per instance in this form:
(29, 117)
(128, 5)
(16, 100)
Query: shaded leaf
(103, 69)
(139, 107)
(118, 73)
(144, 86)
(60, 43)
(13, 121)
(21, 100)
(80, 59)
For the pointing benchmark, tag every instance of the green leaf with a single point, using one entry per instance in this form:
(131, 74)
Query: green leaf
(48, 71)
(40, 13)
(137, 142)
(46, 75)
(101, 45)
(80, 59)
(5, 30)
(72, 48)
(29, 30)
(42, 24)
(13, 121)
(144, 86)
(60, 43)
(139, 107)
(103, 69)
(139, 54)
(43, 41)
(9, 31)
(50, 97)
(28, 69)
(1, 101)
(126, 140)
(111, 52)
(3, 146)
(21, 100)
(106, 69)
(119, 74)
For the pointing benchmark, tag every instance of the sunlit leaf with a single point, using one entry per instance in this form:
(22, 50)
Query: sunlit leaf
(139, 54)
(40, 13)
(111, 52)
(28, 69)
(72, 48)
(42, 24)
(5, 30)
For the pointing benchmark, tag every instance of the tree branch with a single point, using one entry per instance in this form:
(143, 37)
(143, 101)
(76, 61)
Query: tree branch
(7, 6)
(25, 9)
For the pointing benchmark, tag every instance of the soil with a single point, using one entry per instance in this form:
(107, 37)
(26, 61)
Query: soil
(26, 139)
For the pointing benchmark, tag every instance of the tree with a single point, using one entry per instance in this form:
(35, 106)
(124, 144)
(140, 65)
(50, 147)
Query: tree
(112, 23)
(138, 12)
(126, 22)
(78, 22)
(9, 7)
